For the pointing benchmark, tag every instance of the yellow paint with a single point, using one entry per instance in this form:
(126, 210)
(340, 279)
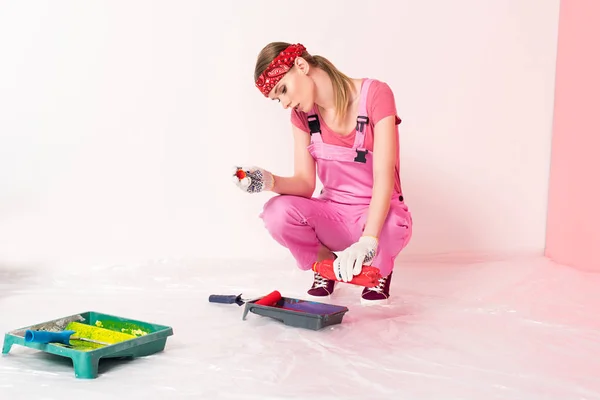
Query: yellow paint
(95, 333)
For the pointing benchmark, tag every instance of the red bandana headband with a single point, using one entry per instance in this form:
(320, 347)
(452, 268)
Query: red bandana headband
(278, 68)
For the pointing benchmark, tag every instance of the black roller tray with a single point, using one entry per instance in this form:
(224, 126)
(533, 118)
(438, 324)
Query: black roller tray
(299, 313)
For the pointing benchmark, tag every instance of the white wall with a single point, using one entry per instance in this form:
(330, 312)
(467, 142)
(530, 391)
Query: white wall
(119, 121)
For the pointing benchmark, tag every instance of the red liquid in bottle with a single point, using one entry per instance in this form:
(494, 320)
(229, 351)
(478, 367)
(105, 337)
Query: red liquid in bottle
(368, 277)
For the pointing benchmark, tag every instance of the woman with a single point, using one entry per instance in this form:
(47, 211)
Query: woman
(346, 131)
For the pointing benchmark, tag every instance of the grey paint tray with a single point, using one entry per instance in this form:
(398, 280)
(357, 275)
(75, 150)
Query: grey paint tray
(299, 313)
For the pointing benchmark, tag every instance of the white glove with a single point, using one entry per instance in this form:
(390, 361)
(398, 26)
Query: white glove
(253, 179)
(350, 261)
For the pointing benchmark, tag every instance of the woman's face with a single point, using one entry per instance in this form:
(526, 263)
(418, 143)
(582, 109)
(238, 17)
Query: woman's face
(296, 89)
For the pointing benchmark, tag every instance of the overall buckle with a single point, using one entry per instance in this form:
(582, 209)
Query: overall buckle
(361, 121)
(314, 124)
(361, 156)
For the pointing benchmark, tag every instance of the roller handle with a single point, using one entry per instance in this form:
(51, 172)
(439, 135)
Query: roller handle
(63, 337)
(226, 299)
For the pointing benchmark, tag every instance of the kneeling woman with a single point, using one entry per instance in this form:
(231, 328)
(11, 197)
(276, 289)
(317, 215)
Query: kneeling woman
(346, 131)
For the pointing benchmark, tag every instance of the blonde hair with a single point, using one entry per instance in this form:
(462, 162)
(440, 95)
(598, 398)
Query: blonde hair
(342, 84)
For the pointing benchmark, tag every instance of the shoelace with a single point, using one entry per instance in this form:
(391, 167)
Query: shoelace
(320, 281)
(379, 287)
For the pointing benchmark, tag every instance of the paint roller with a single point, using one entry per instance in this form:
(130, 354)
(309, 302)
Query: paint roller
(270, 300)
(63, 337)
(77, 331)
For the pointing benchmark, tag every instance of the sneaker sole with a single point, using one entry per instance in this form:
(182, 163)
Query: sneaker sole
(382, 302)
(328, 296)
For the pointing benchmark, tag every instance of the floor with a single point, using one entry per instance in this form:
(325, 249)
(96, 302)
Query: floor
(512, 328)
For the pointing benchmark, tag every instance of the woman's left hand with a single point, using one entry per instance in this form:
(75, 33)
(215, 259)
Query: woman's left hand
(349, 262)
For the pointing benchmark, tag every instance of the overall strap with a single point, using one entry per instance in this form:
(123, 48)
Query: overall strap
(361, 123)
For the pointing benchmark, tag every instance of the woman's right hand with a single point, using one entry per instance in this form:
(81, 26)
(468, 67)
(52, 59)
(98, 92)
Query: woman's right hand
(253, 179)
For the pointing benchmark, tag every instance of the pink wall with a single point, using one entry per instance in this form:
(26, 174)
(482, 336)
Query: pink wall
(573, 231)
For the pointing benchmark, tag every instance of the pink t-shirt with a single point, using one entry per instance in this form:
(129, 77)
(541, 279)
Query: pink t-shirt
(380, 104)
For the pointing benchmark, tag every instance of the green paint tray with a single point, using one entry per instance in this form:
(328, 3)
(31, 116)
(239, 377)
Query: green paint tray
(147, 338)
(299, 313)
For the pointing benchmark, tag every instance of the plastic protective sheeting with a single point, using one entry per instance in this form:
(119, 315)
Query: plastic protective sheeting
(521, 328)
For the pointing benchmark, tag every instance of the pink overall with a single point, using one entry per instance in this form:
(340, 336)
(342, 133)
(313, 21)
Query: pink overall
(337, 217)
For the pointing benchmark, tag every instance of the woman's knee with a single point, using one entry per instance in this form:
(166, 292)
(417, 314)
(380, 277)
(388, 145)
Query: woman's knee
(276, 213)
